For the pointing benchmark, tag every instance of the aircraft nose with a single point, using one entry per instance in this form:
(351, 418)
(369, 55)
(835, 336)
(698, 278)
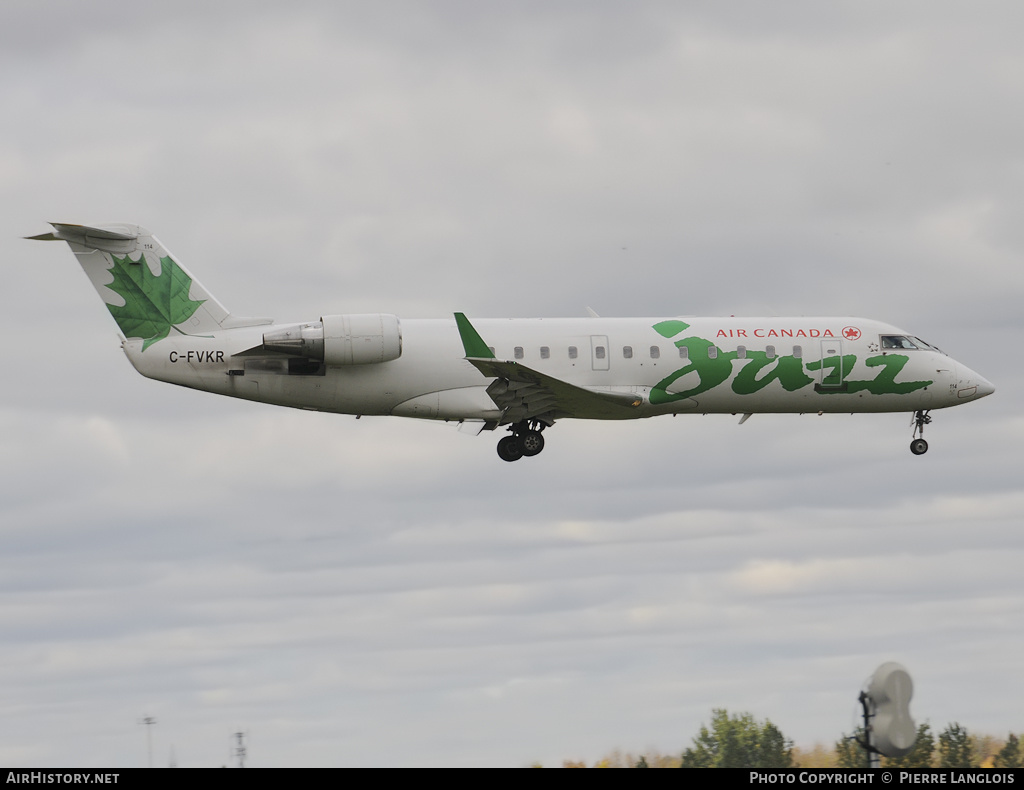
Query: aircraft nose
(972, 386)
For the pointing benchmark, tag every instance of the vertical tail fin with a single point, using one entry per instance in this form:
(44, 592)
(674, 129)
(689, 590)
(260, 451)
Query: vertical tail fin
(147, 291)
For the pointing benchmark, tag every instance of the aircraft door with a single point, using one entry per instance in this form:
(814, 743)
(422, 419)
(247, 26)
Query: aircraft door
(599, 351)
(832, 373)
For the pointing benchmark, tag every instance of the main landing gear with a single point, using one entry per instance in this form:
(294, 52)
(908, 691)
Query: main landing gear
(919, 446)
(526, 439)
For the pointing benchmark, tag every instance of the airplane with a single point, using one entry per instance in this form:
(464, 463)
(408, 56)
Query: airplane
(521, 375)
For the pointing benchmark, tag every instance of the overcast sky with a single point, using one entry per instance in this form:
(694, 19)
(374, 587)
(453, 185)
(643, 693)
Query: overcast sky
(389, 592)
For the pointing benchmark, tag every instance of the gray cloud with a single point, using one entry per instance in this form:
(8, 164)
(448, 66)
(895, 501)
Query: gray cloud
(388, 592)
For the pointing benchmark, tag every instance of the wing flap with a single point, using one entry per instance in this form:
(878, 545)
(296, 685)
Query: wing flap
(530, 393)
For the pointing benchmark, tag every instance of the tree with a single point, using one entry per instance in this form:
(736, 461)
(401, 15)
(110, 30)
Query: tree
(1010, 755)
(918, 757)
(819, 755)
(955, 747)
(739, 742)
(984, 749)
(849, 753)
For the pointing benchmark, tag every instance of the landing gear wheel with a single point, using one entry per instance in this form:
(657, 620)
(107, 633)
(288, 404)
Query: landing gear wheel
(510, 448)
(532, 443)
(919, 446)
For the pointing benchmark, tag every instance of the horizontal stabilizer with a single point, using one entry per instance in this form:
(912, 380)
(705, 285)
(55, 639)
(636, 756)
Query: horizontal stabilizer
(106, 239)
(66, 230)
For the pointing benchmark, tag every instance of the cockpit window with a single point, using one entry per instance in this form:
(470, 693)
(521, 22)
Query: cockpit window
(897, 341)
(922, 344)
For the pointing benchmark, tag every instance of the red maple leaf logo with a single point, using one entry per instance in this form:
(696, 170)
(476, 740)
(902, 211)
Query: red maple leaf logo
(851, 333)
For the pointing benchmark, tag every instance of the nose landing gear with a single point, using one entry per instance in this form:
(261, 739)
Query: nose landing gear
(919, 446)
(526, 439)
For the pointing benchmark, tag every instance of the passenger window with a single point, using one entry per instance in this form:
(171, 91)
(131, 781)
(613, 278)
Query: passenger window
(770, 352)
(519, 352)
(572, 352)
(798, 352)
(545, 352)
(599, 352)
(655, 352)
(713, 352)
(684, 352)
(627, 352)
(741, 352)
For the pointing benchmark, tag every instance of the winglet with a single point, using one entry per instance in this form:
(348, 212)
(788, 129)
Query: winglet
(471, 340)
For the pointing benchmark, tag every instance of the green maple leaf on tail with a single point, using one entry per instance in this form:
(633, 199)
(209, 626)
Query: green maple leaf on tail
(153, 304)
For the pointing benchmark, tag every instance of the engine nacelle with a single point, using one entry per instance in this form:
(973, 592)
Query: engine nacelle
(341, 339)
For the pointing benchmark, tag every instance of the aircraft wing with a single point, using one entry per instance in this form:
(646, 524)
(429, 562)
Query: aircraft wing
(525, 394)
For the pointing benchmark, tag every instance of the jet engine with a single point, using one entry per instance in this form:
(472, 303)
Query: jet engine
(341, 339)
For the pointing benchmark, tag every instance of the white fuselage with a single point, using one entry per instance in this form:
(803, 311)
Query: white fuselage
(675, 365)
